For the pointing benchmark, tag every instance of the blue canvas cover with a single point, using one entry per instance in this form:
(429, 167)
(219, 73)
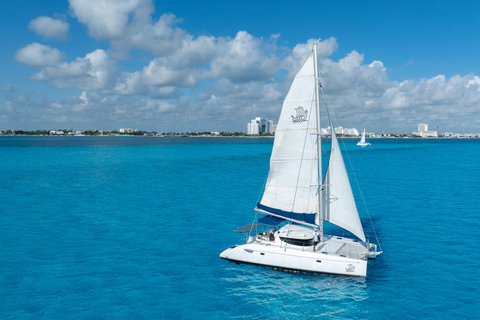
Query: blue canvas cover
(271, 221)
(306, 217)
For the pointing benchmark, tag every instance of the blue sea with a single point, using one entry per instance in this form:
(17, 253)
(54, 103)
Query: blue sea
(132, 228)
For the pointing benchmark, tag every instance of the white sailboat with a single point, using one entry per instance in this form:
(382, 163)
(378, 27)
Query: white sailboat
(298, 199)
(362, 140)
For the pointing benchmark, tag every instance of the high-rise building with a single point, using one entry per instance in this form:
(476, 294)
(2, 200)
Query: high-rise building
(423, 127)
(423, 131)
(260, 125)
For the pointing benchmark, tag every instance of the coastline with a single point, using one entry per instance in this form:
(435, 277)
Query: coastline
(228, 136)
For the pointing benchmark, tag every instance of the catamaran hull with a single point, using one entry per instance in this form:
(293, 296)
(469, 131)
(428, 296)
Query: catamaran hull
(295, 260)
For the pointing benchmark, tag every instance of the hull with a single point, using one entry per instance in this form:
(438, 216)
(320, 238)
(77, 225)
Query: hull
(292, 258)
(363, 144)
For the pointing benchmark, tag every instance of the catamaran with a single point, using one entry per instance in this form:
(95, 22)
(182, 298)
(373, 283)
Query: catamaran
(297, 199)
(362, 140)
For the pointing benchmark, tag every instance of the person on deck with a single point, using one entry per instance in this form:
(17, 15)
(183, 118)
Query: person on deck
(316, 240)
(272, 234)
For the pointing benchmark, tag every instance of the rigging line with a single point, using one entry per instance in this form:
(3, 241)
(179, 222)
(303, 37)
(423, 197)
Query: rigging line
(326, 105)
(263, 188)
(353, 171)
(259, 198)
(250, 231)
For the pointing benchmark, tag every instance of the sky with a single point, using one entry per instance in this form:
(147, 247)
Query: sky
(183, 66)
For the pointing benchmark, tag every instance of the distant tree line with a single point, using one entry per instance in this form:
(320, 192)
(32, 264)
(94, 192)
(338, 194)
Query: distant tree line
(61, 132)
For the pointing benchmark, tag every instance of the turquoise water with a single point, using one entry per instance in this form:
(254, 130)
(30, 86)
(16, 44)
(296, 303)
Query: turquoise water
(131, 228)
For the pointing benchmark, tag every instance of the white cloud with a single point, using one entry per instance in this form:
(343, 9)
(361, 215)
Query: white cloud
(106, 19)
(50, 28)
(131, 83)
(93, 72)
(7, 111)
(185, 60)
(160, 37)
(21, 98)
(38, 55)
(241, 60)
(166, 93)
(92, 108)
(195, 52)
(160, 72)
(251, 91)
(128, 24)
(349, 74)
(6, 87)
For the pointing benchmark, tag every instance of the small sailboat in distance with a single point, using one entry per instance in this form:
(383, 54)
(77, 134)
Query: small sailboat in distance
(287, 233)
(362, 141)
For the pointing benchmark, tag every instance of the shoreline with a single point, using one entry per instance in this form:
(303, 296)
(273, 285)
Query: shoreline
(220, 136)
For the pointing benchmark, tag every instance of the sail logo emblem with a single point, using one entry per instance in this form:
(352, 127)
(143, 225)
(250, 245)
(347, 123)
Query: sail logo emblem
(350, 268)
(301, 116)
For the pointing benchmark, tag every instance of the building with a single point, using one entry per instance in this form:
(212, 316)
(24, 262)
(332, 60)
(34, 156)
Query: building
(128, 130)
(341, 130)
(347, 131)
(424, 133)
(260, 125)
(422, 127)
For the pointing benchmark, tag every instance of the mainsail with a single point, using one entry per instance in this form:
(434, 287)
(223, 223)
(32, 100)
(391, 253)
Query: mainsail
(292, 180)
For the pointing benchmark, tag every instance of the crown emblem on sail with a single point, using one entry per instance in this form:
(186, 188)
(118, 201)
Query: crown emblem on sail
(302, 115)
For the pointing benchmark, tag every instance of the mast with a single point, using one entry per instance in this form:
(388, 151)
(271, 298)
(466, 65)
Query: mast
(319, 218)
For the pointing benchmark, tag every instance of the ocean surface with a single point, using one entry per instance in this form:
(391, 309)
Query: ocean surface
(132, 228)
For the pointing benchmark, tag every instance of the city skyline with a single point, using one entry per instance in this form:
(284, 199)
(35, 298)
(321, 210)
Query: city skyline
(163, 67)
(263, 126)
(260, 125)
